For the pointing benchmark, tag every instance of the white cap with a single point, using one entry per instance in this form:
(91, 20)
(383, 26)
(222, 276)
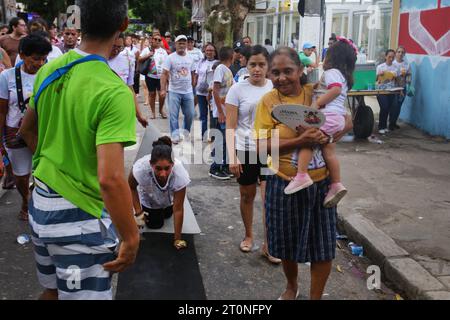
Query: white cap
(181, 37)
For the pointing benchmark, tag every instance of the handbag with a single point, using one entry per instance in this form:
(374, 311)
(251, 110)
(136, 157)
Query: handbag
(144, 67)
(12, 138)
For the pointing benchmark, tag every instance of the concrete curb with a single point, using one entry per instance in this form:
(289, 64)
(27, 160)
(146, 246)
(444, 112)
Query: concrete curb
(406, 274)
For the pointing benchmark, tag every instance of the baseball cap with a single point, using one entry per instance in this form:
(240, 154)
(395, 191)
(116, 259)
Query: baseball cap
(189, 38)
(308, 45)
(181, 37)
(237, 46)
(167, 34)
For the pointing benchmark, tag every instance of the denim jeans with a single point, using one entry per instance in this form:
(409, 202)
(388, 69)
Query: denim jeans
(203, 106)
(186, 103)
(219, 160)
(388, 108)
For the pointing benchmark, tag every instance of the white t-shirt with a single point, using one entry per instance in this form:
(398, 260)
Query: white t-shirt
(242, 74)
(180, 68)
(334, 78)
(151, 194)
(8, 92)
(196, 55)
(245, 97)
(205, 75)
(401, 82)
(159, 57)
(224, 76)
(392, 68)
(123, 67)
(55, 53)
(130, 53)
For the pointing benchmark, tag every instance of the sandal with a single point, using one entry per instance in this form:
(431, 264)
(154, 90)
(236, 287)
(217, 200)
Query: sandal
(163, 115)
(23, 216)
(8, 183)
(245, 246)
(180, 244)
(271, 259)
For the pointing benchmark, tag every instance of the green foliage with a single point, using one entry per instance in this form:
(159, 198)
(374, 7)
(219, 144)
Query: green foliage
(183, 18)
(48, 9)
(164, 14)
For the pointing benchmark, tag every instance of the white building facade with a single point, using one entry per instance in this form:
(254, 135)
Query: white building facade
(366, 22)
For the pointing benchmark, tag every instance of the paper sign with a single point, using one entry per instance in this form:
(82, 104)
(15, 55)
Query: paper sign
(295, 115)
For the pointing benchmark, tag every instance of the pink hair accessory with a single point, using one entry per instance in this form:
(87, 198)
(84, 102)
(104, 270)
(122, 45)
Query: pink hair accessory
(344, 39)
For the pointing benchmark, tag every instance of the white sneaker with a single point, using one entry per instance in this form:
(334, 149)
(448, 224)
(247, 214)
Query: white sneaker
(383, 131)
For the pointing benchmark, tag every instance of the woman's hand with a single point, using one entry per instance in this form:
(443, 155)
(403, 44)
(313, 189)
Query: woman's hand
(313, 136)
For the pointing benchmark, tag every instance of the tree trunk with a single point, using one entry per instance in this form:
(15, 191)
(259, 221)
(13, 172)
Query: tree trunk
(239, 11)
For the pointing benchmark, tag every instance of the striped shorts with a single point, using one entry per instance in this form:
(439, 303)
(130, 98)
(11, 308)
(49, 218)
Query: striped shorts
(71, 246)
(299, 228)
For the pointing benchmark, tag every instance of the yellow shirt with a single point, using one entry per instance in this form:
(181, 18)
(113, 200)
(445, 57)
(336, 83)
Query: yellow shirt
(285, 165)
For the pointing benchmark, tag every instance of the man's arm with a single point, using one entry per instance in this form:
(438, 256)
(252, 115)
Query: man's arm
(134, 193)
(165, 77)
(194, 79)
(29, 129)
(117, 198)
(139, 115)
(219, 102)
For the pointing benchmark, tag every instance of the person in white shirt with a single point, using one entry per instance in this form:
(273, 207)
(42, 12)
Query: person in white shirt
(178, 71)
(222, 82)
(55, 53)
(245, 165)
(196, 55)
(153, 78)
(33, 51)
(122, 65)
(203, 79)
(403, 80)
(132, 52)
(158, 185)
(387, 74)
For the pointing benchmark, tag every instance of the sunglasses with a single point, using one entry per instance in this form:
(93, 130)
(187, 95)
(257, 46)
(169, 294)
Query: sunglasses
(159, 40)
(70, 34)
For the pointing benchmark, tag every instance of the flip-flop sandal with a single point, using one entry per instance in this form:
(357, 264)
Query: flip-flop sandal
(163, 116)
(180, 244)
(8, 185)
(245, 247)
(271, 259)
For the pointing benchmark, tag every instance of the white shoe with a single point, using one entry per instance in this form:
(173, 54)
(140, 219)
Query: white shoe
(383, 131)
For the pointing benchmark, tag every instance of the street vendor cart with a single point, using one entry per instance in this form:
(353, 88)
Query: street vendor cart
(363, 118)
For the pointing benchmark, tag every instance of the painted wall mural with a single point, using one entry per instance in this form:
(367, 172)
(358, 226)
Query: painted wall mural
(425, 33)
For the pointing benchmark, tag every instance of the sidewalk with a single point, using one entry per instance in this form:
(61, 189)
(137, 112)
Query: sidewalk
(398, 208)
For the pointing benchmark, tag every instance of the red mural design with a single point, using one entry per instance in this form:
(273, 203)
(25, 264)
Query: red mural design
(426, 32)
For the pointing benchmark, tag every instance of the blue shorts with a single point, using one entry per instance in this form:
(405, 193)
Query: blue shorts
(71, 246)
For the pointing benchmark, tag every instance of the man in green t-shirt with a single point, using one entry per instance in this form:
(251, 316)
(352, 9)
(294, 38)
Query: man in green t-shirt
(77, 130)
(305, 56)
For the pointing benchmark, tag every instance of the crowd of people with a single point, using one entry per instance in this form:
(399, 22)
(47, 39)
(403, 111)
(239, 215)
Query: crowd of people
(57, 91)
